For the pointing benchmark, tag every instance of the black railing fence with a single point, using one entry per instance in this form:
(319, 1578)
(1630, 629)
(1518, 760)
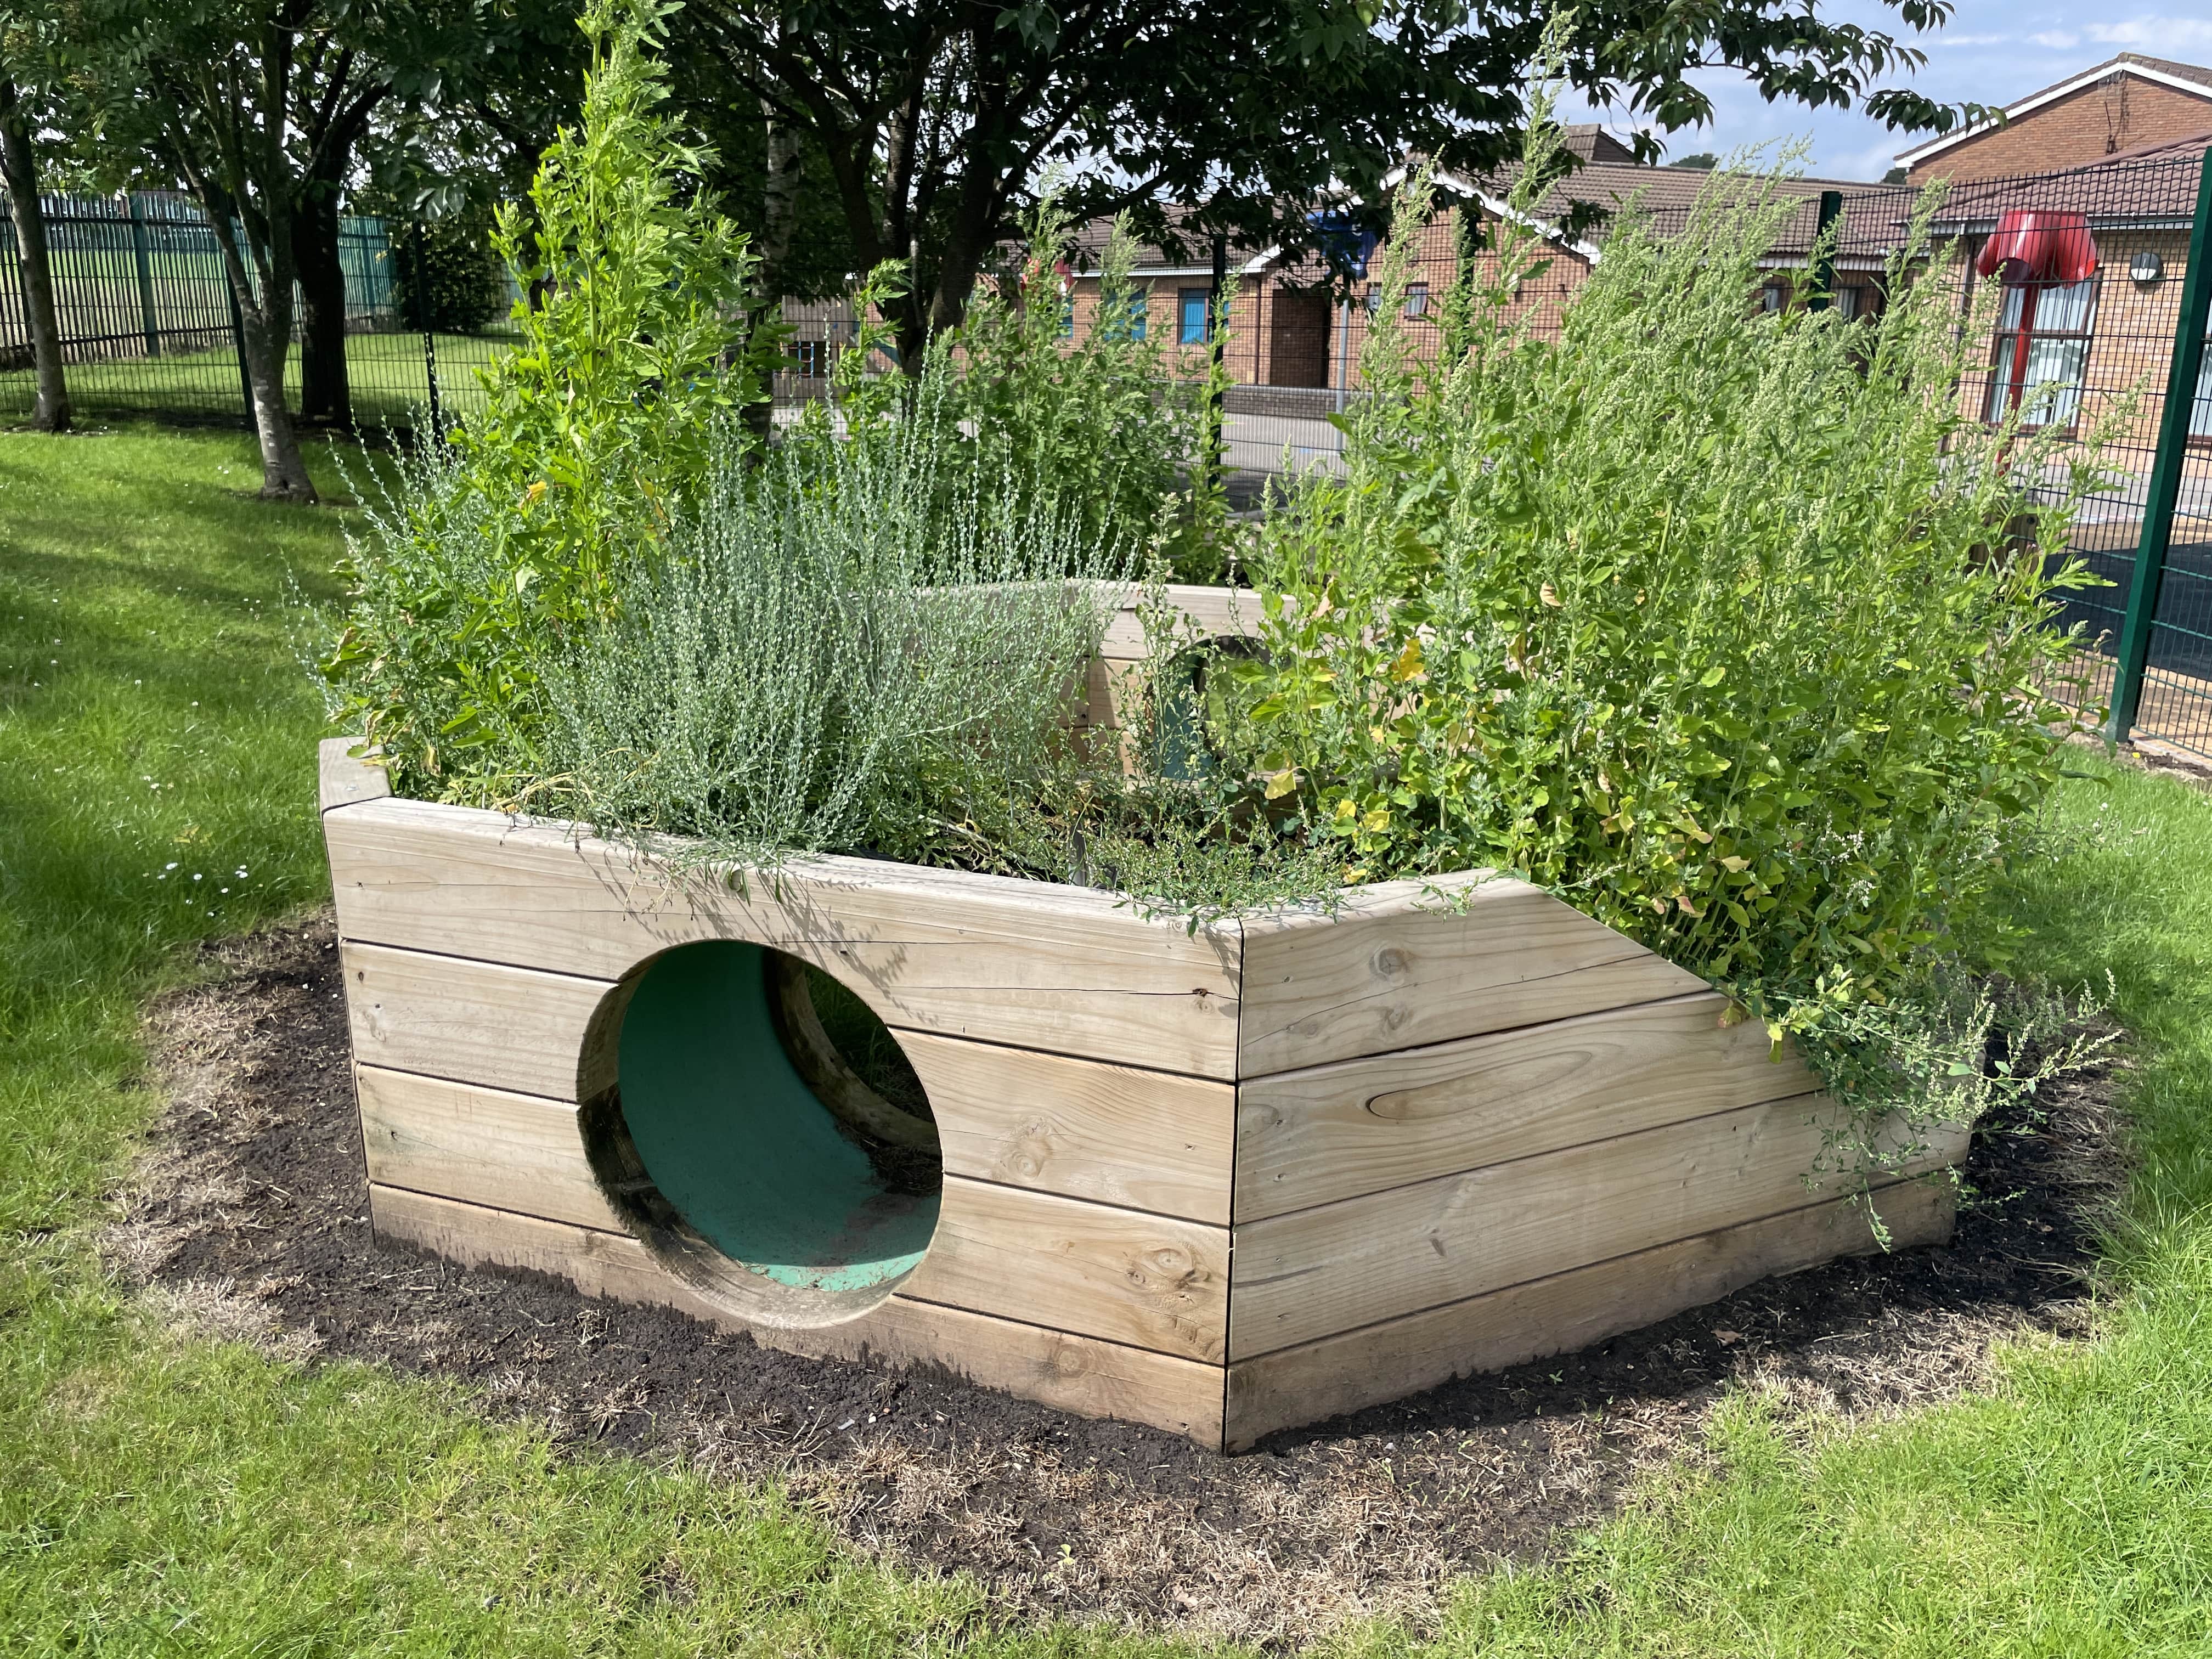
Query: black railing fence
(149, 329)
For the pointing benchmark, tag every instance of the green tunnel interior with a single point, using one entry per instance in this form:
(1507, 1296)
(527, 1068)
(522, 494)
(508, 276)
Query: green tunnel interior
(738, 1144)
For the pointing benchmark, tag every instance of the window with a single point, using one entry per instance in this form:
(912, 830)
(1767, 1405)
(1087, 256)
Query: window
(1417, 299)
(1193, 317)
(1067, 314)
(1139, 318)
(2042, 350)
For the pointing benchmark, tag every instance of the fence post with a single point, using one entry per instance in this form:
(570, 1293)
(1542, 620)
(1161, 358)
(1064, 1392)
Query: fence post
(421, 298)
(2165, 492)
(1823, 273)
(1217, 326)
(142, 254)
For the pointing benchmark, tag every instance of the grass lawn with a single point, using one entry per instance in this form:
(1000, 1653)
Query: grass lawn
(383, 371)
(163, 1494)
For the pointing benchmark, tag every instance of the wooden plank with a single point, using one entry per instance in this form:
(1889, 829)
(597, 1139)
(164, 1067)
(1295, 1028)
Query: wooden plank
(1061, 1369)
(1215, 612)
(1151, 1281)
(488, 1147)
(1316, 1272)
(1360, 1125)
(1066, 970)
(1144, 1140)
(1399, 967)
(345, 781)
(479, 1022)
(1560, 1313)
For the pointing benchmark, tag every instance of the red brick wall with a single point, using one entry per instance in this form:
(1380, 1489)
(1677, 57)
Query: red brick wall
(2121, 113)
(1541, 301)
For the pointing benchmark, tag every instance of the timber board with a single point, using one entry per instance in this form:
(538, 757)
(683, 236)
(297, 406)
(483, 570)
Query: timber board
(1035, 964)
(488, 1147)
(516, 1029)
(1149, 1282)
(1403, 964)
(1563, 1313)
(342, 780)
(1362, 1126)
(1073, 1373)
(1117, 1134)
(1316, 1272)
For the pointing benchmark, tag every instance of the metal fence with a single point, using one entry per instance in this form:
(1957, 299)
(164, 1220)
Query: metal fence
(150, 330)
(2086, 290)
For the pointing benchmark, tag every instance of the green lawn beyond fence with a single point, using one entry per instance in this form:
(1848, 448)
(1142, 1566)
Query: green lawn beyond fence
(389, 374)
(163, 1494)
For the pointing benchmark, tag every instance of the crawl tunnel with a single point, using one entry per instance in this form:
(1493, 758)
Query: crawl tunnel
(736, 1092)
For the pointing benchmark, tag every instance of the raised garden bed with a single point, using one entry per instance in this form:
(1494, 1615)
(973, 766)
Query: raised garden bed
(1222, 1182)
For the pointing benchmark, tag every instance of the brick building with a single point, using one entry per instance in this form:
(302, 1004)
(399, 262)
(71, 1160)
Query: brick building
(2131, 104)
(2081, 271)
(1288, 331)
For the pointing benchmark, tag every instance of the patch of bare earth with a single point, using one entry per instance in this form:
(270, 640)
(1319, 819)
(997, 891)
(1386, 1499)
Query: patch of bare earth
(247, 1219)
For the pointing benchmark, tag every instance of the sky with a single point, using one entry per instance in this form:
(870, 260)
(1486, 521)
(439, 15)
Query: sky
(1992, 51)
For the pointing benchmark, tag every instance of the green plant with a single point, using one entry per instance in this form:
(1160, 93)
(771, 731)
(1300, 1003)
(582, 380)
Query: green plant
(594, 430)
(1098, 419)
(1689, 617)
(1102, 417)
(447, 277)
(824, 658)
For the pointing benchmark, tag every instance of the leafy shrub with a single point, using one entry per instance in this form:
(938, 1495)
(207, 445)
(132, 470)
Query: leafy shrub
(1691, 617)
(1109, 421)
(447, 278)
(816, 661)
(595, 430)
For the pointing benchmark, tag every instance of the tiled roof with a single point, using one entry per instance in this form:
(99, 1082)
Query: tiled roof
(2154, 185)
(2195, 144)
(1091, 246)
(2195, 72)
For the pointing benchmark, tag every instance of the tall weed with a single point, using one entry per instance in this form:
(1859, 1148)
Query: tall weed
(1692, 617)
(1109, 419)
(595, 430)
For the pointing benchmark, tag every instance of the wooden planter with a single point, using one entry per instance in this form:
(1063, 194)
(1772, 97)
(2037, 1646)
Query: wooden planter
(1223, 1183)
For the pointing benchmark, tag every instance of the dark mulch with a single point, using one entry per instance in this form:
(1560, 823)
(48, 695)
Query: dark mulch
(248, 1217)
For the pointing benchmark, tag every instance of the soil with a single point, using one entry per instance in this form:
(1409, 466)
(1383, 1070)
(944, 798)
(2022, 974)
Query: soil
(247, 1218)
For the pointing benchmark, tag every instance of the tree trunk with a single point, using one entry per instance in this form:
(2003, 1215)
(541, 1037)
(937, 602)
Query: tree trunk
(778, 213)
(19, 171)
(266, 323)
(326, 393)
(779, 201)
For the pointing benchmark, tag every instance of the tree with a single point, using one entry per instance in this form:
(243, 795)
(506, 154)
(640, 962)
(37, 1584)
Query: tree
(201, 92)
(20, 43)
(938, 119)
(260, 109)
(1704, 162)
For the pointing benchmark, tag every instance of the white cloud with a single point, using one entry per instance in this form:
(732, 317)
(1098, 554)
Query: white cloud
(1973, 40)
(2057, 40)
(2162, 34)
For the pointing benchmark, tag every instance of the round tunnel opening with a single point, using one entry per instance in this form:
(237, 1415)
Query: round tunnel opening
(768, 1137)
